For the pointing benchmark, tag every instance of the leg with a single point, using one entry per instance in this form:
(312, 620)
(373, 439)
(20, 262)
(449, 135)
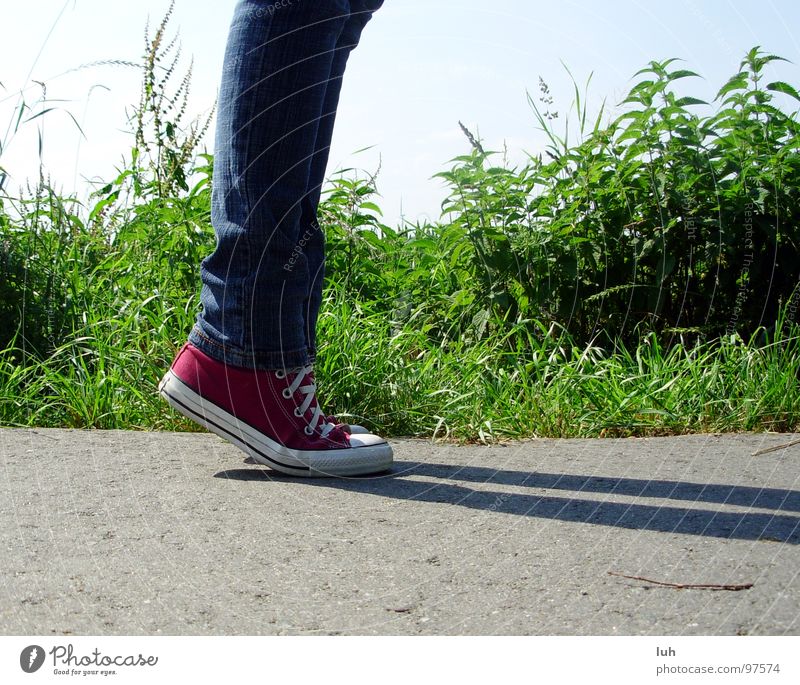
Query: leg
(244, 375)
(277, 64)
(314, 245)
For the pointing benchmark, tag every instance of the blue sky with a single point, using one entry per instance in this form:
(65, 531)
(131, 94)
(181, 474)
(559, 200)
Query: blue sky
(422, 66)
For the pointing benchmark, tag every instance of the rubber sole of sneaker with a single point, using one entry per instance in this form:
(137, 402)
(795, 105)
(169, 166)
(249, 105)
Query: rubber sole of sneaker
(356, 461)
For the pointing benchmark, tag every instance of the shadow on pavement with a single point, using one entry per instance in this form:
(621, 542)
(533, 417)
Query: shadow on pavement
(401, 484)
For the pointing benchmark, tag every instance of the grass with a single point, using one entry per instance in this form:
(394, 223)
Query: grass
(515, 384)
(396, 382)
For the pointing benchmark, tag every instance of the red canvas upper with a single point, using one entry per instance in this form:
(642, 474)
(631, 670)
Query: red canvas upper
(255, 397)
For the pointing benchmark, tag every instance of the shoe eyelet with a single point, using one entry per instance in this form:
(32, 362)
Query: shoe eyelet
(308, 431)
(280, 375)
(286, 393)
(297, 412)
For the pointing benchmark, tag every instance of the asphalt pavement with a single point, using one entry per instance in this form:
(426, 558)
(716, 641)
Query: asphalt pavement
(134, 533)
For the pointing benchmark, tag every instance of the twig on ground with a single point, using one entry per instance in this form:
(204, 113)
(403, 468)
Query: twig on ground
(687, 586)
(776, 448)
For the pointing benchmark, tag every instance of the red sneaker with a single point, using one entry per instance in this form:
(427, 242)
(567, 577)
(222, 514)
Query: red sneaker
(272, 415)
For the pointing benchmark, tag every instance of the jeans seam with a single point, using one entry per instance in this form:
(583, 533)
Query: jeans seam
(263, 360)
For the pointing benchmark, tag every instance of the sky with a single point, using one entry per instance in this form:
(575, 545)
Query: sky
(422, 66)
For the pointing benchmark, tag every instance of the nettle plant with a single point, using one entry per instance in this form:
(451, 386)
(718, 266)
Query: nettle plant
(662, 220)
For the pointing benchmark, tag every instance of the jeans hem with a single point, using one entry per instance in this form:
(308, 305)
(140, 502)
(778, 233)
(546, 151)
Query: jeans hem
(259, 360)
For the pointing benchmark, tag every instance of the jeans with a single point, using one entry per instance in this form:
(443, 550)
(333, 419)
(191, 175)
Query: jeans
(282, 75)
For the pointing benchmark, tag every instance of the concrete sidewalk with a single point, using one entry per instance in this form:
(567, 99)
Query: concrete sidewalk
(159, 533)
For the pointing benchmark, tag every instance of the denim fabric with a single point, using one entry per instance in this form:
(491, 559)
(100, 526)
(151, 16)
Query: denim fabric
(282, 76)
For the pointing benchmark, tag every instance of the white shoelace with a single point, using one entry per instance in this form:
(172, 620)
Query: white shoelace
(310, 391)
